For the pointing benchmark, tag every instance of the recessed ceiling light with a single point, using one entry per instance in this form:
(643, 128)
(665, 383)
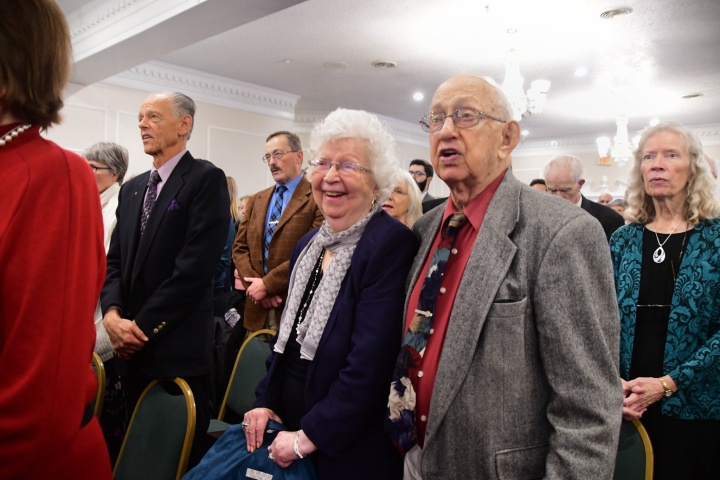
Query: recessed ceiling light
(383, 64)
(616, 12)
(511, 31)
(692, 95)
(335, 65)
(285, 61)
(524, 133)
(581, 72)
(418, 96)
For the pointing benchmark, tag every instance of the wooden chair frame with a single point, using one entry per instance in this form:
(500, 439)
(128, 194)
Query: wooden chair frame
(265, 331)
(189, 431)
(99, 369)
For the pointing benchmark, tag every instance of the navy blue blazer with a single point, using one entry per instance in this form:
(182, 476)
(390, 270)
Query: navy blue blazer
(347, 383)
(163, 280)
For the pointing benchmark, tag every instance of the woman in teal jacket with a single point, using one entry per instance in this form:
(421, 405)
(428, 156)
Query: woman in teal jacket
(667, 276)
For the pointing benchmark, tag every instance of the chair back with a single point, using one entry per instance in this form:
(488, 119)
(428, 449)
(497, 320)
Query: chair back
(248, 371)
(635, 455)
(99, 369)
(159, 436)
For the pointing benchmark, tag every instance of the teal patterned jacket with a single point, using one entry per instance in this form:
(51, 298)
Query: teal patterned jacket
(692, 349)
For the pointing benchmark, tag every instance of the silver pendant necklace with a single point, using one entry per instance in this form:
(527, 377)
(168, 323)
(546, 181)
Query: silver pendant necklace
(659, 253)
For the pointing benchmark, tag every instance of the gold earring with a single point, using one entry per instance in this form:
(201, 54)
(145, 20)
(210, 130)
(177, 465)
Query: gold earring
(372, 205)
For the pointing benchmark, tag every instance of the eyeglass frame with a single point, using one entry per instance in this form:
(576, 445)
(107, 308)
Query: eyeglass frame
(96, 168)
(276, 155)
(356, 167)
(455, 115)
(417, 174)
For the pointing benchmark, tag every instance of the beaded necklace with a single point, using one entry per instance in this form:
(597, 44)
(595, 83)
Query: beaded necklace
(315, 278)
(5, 139)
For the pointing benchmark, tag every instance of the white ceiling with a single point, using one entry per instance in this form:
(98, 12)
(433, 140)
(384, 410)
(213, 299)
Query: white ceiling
(640, 64)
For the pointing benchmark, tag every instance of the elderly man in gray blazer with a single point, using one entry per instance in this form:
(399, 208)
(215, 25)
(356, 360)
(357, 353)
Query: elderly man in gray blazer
(509, 367)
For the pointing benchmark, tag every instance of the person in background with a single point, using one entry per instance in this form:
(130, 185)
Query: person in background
(172, 222)
(235, 207)
(509, 364)
(275, 219)
(243, 204)
(404, 201)
(53, 261)
(667, 274)
(422, 173)
(564, 177)
(539, 184)
(618, 205)
(340, 331)
(109, 161)
(605, 199)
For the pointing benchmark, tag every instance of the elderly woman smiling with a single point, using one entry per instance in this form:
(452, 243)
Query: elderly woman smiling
(341, 329)
(667, 276)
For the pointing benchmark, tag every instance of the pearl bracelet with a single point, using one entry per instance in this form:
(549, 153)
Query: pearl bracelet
(296, 447)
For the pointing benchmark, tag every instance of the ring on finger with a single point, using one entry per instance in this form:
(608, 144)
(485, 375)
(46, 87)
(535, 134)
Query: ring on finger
(245, 424)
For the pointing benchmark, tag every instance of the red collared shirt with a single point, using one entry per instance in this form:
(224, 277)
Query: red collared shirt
(454, 269)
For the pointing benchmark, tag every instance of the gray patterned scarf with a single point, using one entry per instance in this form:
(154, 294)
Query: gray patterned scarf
(343, 245)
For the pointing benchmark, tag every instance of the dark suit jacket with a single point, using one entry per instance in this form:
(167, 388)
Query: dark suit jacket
(608, 218)
(348, 382)
(428, 205)
(535, 312)
(300, 216)
(163, 280)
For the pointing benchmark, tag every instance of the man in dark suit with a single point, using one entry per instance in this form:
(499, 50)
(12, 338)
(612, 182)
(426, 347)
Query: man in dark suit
(563, 175)
(264, 242)
(171, 226)
(423, 174)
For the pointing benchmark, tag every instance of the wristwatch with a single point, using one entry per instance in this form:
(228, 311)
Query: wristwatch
(668, 393)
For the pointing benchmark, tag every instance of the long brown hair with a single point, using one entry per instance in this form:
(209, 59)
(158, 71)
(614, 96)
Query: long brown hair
(35, 63)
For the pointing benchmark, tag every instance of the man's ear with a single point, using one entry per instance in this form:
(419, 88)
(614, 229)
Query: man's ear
(185, 125)
(510, 138)
(429, 181)
(581, 182)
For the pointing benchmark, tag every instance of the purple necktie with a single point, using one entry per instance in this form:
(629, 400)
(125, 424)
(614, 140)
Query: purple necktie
(400, 423)
(149, 199)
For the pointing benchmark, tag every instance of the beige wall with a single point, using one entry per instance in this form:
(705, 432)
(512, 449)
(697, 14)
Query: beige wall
(234, 140)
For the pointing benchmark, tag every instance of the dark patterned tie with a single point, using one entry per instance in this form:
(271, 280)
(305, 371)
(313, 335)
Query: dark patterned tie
(149, 199)
(275, 214)
(400, 423)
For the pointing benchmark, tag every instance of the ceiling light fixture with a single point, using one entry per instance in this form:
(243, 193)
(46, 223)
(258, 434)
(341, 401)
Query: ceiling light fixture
(616, 12)
(620, 149)
(383, 64)
(418, 96)
(523, 103)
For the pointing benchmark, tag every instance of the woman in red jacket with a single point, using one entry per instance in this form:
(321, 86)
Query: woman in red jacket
(51, 261)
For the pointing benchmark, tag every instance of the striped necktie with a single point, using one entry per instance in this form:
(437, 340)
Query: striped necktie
(275, 214)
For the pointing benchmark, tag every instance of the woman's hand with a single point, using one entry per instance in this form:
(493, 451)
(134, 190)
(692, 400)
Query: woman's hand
(254, 423)
(283, 448)
(640, 393)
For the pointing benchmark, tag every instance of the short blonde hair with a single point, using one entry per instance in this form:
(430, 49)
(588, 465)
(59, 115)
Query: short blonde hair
(414, 197)
(700, 203)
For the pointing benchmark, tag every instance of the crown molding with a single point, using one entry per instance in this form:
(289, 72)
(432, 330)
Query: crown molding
(203, 87)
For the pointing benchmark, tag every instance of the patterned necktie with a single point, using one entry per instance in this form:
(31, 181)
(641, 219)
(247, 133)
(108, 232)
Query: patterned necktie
(275, 214)
(400, 423)
(149, 199)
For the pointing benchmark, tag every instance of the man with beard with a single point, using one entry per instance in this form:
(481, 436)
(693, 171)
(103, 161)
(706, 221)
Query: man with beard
(275, 219)
(422, 173)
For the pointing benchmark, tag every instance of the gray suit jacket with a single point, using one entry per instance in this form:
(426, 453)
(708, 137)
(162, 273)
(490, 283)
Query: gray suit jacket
(527, 384)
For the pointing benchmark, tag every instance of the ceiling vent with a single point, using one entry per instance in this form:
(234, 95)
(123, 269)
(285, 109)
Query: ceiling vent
(616, 12)
(383, 64)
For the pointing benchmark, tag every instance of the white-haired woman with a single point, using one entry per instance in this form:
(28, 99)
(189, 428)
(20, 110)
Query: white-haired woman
(341, 329)
(667, 275)
(405, 200)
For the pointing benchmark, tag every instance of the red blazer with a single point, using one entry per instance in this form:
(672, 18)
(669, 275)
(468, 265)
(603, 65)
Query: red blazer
(300, 216)
(52, 265)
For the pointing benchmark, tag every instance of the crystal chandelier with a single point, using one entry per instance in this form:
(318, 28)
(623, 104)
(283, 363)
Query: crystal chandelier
(621, 149)
(523, 103)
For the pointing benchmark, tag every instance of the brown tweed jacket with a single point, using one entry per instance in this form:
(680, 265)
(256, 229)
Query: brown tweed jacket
(300, 216)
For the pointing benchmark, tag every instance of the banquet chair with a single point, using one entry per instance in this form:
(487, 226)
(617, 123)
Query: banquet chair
(99, 369)
(634, 459)
(248, 371)
(160, 434)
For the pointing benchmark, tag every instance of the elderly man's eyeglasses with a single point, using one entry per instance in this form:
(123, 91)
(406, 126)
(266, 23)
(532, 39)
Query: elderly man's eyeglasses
(96, 168)
(418, 174)
(344, 167)
(277, 155)
(462, 118)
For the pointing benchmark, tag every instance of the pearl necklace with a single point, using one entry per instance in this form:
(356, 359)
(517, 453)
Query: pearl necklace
(13, 134)
(659, 253)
